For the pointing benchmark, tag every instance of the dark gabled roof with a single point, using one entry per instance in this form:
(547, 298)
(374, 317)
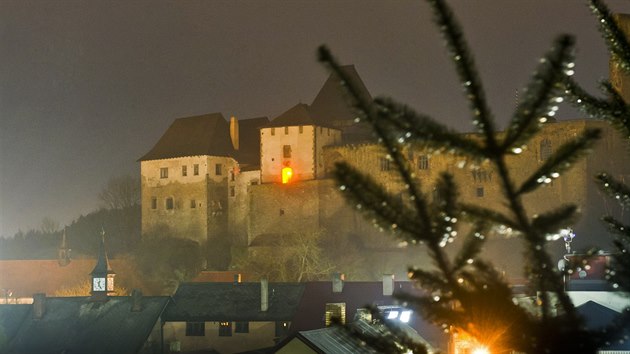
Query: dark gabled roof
(78, 325)
(11, 318)
(598, 317)
(207, 134)
(296, 115)
(248, 155)
(233, 302)
(331, 103)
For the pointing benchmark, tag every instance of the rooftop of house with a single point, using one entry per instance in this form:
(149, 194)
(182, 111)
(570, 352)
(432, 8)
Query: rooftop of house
(234, 302)
(597, 317)
(79, 325)
(337, 340)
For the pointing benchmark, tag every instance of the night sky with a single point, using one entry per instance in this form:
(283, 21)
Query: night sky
(86, 88)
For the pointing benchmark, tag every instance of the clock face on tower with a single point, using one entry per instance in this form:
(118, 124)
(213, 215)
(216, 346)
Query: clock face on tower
(98, 284)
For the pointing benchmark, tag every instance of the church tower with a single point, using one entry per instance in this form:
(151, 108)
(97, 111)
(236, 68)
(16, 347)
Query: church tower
(102, 275)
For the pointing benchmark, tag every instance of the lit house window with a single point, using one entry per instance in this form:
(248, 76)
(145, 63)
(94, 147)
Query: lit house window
(184, 170)
(286, 151)
(196, 169)
(195, 329)
(153, 202)
(423, 162)
(225, 329)
(384, 164)
(241, 327)
(335, 310)
(218, 169)
(545, 149)
(169, 203)
(164, 172)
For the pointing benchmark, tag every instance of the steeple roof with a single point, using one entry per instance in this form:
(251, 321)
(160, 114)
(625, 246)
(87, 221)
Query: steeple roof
(102, 263)
(207, 134)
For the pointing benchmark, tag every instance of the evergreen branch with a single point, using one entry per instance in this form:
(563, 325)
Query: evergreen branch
(431, 280)
(464, 63)
(539, 94)
(561, 160)
(554, 220)
(367, 110)
(616, 40)
(421, 128)
(614, 188)
(445, 220)
(478, 213)
(473, 243)
(616, 226)
(370, 197)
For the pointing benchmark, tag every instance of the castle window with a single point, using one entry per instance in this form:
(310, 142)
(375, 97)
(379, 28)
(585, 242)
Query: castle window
(153, 202)
(225, 329)
(321, 130)
(169, 203)
(196, 169)
(328, 131)
(480, 176)
(479, 192)
(232, 175)
(241, 327)
(218, 169)
(195, 329)
(286, 151)
(384, 163)
(301, 129)
(281, 212)
(545, 149)
(193, 204)
(273, 131)
(164, 172)
(286, 130)
(184, 170)
(423, 162)
(232, 191)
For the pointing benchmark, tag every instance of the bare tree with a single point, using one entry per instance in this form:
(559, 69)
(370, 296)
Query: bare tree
(120, 192)
(49, 226)
(294, 257)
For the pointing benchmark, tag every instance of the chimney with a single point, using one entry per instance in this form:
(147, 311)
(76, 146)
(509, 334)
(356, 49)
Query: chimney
(39, 305)
(264, 295)
(337, 282)
(136, 300)
(234, 134)
(388, 284)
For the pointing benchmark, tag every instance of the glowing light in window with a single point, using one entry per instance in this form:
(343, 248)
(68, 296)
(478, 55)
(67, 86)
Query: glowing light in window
(405, 316)
(287, 173)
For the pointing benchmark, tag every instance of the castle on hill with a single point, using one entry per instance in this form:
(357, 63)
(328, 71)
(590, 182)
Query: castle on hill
(239, 186)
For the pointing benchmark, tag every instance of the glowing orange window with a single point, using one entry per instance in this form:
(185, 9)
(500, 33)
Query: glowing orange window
(287, 173)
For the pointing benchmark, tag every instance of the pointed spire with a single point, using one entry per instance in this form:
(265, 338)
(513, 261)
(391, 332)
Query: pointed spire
(63, 252)
(102, 264)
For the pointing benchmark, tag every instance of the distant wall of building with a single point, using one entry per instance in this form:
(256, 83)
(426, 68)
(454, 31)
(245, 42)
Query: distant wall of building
(259, 335)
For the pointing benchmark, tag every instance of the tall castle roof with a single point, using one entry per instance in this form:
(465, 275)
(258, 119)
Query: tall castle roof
(207, 134)
(330, 108)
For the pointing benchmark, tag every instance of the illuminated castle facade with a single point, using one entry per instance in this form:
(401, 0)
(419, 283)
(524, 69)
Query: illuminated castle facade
(241, 183)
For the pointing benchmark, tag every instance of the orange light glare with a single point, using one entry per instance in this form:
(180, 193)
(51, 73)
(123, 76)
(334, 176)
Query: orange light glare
(287, 173)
